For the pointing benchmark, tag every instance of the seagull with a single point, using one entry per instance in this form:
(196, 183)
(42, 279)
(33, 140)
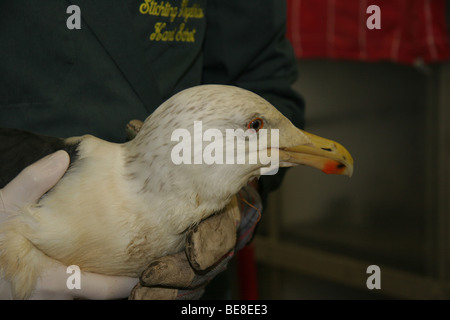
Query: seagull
(120, 206)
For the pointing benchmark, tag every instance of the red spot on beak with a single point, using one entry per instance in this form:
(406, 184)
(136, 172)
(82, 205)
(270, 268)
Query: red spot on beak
(333, 167)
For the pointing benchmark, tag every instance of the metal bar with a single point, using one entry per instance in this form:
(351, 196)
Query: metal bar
(443, 156)
(346, 270)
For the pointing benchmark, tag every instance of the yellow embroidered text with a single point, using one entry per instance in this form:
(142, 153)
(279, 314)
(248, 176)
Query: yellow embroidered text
(170, 31)
(182, 34)
(161, 9)
(190, 12)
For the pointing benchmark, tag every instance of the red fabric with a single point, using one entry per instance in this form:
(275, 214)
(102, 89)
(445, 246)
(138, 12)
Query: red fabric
(246, 269)
(411, 30)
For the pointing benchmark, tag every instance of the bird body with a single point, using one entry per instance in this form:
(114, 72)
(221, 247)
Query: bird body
(120, 206)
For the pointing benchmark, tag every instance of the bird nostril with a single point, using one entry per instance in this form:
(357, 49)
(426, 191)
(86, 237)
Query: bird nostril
(326, 149)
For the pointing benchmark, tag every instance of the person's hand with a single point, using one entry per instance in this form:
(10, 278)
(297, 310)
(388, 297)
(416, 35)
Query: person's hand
(209, 247)
(27, 188)
(33, 182)
(52, 285)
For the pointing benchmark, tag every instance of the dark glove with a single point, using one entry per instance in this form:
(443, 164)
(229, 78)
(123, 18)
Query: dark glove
(209, 247)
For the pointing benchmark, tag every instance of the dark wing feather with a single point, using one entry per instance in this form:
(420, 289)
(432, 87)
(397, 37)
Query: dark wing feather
(19, 149)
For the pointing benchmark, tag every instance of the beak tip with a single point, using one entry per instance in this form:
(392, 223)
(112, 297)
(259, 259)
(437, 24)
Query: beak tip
(326, 155)
(336, 167)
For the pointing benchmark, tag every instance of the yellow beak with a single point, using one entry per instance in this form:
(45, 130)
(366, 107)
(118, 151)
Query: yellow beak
(323, 154)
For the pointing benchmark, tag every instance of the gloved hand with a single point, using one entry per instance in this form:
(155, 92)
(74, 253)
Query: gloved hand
(33, 182)
(209, 247)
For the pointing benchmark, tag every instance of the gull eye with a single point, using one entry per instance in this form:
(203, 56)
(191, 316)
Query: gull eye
(256, 124)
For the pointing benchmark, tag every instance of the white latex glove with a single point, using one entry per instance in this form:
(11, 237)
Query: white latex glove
(33, 182)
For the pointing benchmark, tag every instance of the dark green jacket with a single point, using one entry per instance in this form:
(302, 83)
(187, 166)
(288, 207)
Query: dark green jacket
(129, 56)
